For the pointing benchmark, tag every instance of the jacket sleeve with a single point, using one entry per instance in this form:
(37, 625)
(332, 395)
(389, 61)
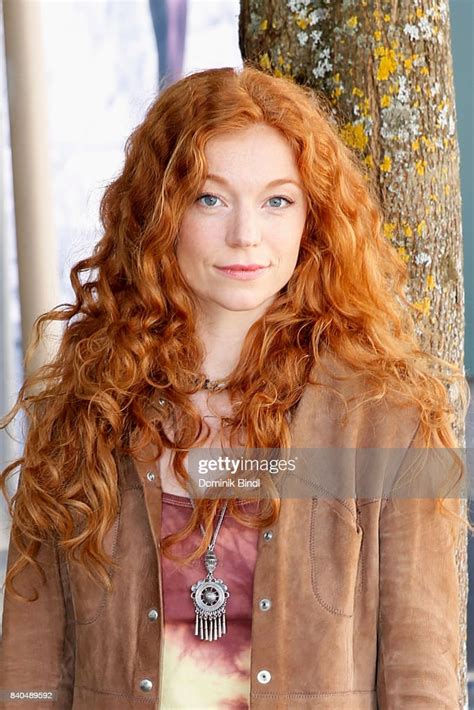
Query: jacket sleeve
(37, 644)
(418, 622)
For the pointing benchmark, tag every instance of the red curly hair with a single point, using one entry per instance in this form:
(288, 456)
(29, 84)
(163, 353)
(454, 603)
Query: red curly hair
(130, 337)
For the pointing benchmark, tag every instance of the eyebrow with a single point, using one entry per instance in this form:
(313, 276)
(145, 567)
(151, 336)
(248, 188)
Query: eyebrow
(272, 183)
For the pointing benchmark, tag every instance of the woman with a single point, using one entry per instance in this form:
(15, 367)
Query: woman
(243, 295)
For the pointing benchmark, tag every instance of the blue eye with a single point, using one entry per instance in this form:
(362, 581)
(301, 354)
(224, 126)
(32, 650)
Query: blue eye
(279, 197)
(206, 197)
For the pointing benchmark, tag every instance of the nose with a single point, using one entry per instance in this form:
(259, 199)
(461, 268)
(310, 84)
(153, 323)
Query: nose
(244, 228)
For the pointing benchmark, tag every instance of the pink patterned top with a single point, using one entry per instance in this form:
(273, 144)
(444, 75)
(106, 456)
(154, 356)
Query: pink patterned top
(207, 674)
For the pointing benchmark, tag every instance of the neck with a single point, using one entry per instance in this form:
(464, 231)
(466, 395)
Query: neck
(223, 336)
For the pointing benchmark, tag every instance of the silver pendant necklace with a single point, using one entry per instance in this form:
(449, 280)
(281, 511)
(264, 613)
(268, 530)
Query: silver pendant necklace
(210, 594)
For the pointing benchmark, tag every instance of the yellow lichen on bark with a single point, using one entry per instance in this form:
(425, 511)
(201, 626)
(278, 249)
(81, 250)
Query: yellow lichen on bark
(354, 135)
(389, 229)
(423, 305)
(264, 61)
(388, 63)
(386, 165)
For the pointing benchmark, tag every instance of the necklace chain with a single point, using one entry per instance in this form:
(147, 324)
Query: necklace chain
(212, 385)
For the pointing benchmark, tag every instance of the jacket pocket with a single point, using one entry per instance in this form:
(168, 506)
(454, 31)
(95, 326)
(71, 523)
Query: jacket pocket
(88, 595)
(335, 548)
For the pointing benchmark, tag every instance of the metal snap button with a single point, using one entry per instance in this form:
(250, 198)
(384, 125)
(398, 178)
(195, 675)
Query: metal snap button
(264, 676)
(153, 614)
(267, 535)
(150, 475)
(146, 685)
(265, 604)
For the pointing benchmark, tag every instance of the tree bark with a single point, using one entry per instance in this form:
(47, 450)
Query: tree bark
(386, 68)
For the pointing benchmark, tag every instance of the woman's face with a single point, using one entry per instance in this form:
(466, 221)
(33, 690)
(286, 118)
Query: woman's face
(251, 211)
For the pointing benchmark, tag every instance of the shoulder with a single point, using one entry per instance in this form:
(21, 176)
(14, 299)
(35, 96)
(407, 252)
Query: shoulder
(343, 406)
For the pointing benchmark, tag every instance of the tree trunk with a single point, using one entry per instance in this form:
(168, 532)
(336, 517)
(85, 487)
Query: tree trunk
(386, 67)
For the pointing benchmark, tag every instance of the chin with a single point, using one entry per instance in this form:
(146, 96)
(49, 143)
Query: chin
(242, 304)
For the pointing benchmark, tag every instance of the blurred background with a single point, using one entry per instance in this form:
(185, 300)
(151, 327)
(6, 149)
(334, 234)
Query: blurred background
(81, 74)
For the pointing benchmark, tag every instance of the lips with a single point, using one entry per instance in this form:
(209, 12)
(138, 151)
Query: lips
(242, 267)
(243, 272)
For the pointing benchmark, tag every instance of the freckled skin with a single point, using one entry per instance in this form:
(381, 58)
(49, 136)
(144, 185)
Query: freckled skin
(243, 221)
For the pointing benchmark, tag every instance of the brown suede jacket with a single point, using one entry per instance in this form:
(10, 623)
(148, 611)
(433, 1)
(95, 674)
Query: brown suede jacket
(364, 595)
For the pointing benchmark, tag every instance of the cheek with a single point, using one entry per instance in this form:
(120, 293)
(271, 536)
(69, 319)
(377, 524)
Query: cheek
(287, 238)
(186, 242)
(298, 232)
(194, 244)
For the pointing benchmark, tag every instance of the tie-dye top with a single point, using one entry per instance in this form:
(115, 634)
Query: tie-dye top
(208, 675)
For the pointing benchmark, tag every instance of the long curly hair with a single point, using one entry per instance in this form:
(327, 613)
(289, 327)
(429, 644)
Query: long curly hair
(129, 338)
